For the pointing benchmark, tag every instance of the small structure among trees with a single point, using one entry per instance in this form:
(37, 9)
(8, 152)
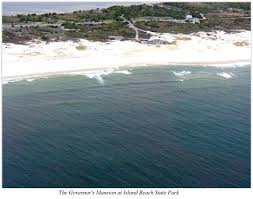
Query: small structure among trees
(191, 19)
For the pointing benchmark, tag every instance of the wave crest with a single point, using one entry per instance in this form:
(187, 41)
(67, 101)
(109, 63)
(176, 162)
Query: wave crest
(226, 75)
(98, 74)
(182, 73)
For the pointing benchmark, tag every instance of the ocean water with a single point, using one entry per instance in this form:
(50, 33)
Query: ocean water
(163, 126)
(14, 8)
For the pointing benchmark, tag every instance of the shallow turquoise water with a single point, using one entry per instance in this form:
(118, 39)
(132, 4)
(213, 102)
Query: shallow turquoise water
(150, 128)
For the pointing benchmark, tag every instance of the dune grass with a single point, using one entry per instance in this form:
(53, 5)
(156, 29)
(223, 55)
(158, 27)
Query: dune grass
(81, 47)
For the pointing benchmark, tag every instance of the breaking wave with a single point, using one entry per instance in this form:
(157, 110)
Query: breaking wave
(6, 81)
(96, 74)
(99, 74)
(182, 73)
(225, 75)
(30, 80)
(126, 72)
(231, 65)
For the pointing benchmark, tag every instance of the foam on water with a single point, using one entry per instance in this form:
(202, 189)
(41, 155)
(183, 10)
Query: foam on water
(225, 75)
(126, 72)
(96, 74)
(230, 65)
(30, 80)
(6, 81)
(99, 73)
(182, 73)
(12, 80)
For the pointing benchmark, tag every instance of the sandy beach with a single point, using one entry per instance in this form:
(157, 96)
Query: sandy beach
(40, 59)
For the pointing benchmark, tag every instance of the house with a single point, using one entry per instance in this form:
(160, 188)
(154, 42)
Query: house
(190, 19)
(97, 11)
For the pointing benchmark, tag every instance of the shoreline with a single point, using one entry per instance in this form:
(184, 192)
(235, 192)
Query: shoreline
(81, 71)
(98, 72)
(36, 60)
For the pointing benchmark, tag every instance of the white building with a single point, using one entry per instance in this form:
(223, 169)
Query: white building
(190, 19)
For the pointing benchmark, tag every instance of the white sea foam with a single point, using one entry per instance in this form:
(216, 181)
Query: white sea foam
(11, 80)
(226, 75)
(6, 81)
(126, 72)
(182, 73)
(96, 74)
(231, 65)
(100, 73)
(30, 80)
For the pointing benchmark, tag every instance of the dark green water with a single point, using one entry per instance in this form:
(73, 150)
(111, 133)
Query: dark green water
(146, 129)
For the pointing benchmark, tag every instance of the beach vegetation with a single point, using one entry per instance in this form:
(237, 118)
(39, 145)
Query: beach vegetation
(100, 24)
(81, 47)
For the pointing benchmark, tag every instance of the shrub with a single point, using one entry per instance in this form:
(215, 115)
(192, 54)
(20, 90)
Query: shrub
(81, 47)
